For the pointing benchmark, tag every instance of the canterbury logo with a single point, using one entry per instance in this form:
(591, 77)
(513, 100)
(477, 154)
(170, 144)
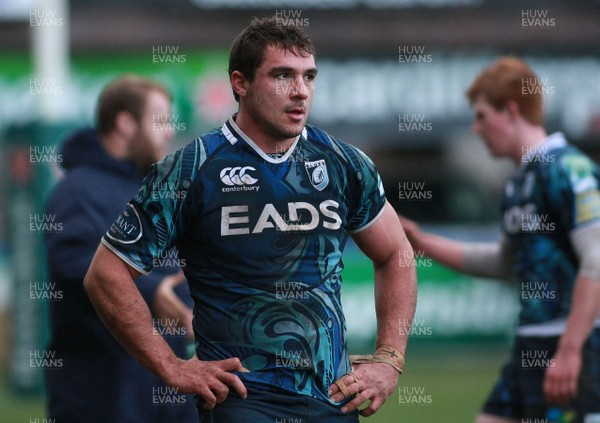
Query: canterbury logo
(237, 176)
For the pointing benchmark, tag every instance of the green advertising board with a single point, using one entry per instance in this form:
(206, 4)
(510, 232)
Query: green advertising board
(450, 306)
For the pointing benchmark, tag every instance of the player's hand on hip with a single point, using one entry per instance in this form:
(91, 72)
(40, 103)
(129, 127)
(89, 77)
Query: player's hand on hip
(373, 382)
(562, 376)
(212, 380)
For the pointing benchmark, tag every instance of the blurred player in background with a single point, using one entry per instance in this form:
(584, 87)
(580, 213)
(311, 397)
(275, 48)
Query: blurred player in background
(261, 209)
(550, 245)
(104, 166)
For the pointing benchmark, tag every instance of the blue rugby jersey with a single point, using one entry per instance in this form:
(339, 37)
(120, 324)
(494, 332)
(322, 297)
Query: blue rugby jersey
(552, 193)
(262, 239)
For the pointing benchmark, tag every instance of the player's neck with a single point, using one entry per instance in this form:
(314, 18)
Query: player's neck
(268, 143)
(530, 136)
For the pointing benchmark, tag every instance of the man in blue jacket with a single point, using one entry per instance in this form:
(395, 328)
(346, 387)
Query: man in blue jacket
(99, 381)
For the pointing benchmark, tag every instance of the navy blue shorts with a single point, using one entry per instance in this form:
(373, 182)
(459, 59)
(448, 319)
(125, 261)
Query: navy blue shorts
(270, 407)
(519, 392)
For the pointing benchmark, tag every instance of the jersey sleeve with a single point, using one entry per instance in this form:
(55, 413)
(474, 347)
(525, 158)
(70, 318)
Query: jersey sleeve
(152, 221)
(575, 187)
(370, 195)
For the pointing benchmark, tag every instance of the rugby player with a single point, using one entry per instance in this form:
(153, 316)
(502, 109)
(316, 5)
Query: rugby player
(550, 245)
(261, 209)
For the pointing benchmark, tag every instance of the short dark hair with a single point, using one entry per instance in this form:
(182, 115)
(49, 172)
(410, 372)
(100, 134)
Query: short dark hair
(127, 93)
(504, 80)
(247, 50)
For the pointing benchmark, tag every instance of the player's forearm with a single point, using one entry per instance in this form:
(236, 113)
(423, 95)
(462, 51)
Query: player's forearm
(385, 243)
(446, 251)
(124, 312)
(585, 309)
(168, 305)
(585, 302)
(483, 259)
(395, 299)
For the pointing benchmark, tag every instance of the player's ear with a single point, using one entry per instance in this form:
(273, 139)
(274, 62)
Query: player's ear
(512, 107)
(126, 123)
(239, 83)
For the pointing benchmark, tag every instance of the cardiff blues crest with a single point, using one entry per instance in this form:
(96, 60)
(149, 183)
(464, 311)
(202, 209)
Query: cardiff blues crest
(317, 173)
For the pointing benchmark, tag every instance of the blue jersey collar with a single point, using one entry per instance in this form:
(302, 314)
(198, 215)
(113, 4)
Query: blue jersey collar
(233, 133)
(552, 142)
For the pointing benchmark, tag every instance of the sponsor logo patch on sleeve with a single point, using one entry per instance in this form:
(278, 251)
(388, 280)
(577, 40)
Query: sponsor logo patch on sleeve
(127, 229)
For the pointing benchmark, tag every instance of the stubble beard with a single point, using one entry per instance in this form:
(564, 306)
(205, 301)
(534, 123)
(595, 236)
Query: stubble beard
(276, 129)
(146, 152)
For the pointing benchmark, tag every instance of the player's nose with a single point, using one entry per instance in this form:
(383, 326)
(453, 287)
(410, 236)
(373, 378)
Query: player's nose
(299, 89)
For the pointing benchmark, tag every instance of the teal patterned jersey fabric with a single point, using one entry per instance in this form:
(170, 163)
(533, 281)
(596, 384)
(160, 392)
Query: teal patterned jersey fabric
(553, 193)
(262, 238)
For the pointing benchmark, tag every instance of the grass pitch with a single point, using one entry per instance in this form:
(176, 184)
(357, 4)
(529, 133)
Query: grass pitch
(443, 383)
